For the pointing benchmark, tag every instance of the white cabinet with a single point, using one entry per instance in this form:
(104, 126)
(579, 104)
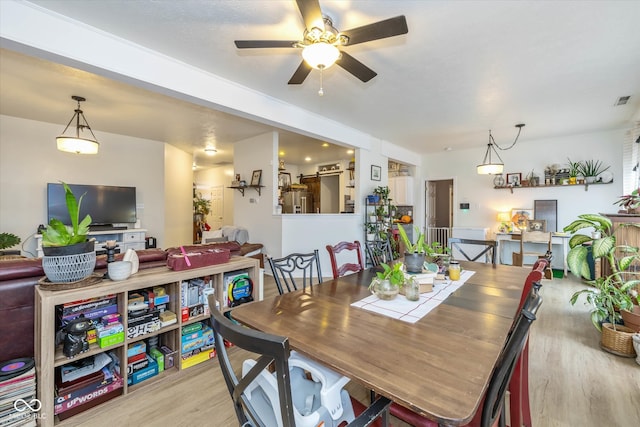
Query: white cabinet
(133, 238)
(401, 190)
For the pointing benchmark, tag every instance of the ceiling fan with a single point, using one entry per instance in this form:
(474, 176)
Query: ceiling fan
(321, 42)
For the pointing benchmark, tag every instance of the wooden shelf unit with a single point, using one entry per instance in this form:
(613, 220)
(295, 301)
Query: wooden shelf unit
(258, 188)
(48, 357)
(586, 186)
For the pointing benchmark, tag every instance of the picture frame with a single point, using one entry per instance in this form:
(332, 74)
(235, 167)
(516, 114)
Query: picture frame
(513, 179)
(537, 225)
(376, 173)
(284, 181)
(520, 217)
(256, 176)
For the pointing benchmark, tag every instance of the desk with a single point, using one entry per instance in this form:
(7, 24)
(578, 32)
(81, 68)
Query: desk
(559, 247)
(439, 366)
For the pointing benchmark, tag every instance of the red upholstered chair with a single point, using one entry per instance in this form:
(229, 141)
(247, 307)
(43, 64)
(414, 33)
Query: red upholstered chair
(519, 407)
(491, 413)
(349, 266)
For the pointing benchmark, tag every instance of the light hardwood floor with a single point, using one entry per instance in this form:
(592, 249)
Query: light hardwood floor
(572, 381)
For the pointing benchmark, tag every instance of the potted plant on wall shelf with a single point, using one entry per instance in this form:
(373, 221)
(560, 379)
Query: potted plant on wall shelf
(609, 294)
(590, 169)
(68, 255)
(575, 169)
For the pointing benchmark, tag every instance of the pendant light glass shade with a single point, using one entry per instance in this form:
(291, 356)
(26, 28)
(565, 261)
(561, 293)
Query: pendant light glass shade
(76, 143)
(489, 165)
(320, 55)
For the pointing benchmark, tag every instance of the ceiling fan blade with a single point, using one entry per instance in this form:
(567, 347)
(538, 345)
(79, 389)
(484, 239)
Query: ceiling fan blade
(311, 14)
(301, 73)
(355, 67)
(378, 30)
(258, 44)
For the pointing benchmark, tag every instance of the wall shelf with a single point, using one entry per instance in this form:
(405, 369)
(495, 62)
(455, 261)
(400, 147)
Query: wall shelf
(586, 186)
(258, 188)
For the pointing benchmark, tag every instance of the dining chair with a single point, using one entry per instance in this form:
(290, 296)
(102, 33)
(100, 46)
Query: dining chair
(334, 250)
(296, 269)
(492, 412)
(519, 404)
(535, 244)
(282, 396)
(487, 248)
(379, 251)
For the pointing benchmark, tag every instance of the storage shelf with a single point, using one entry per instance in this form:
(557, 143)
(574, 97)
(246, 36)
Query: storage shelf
(586, 186)
(258, 188)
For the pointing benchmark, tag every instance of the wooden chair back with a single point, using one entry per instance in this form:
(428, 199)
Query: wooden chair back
(341, 270)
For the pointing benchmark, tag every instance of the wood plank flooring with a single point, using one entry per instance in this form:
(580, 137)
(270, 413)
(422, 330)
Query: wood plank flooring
(572, 381)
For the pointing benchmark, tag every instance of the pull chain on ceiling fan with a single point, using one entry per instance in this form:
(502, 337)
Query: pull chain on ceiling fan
(321, 43)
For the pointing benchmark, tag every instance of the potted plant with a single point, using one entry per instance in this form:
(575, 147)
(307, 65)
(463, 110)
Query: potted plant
(574, 170)
(590, 169)
(414, 253)
(609, 294)
(387, 283)
(68, 255)
(8, 240)
(372, 229)
(630, 202)
(382, 192)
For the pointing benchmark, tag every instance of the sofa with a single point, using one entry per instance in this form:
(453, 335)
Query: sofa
(19, 276)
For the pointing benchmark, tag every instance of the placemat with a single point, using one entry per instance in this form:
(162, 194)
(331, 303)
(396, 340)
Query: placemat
(412, 311)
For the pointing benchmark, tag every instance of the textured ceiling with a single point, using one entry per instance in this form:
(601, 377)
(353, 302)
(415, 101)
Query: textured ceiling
(463, 68)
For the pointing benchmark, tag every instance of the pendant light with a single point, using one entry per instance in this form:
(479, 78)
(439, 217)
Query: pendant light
(490, 165)
(76, 143)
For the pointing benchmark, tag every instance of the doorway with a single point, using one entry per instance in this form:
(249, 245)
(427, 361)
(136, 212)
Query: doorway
(438, 210)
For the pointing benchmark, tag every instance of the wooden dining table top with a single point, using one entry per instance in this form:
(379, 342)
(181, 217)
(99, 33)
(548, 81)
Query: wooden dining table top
(439, 366)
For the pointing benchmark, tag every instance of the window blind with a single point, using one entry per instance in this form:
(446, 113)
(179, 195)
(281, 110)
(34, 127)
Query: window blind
(631, 159)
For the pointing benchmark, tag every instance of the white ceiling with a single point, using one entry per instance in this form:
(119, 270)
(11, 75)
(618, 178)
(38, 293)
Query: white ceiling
(464, 67)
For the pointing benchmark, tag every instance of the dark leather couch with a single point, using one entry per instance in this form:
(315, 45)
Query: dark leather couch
(18, 278)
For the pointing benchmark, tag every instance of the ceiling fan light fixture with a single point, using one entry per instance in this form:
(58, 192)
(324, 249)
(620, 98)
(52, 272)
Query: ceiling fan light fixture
(320, 55)
(76, 143)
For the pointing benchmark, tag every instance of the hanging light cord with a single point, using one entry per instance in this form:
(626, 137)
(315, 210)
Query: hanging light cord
(493, 141)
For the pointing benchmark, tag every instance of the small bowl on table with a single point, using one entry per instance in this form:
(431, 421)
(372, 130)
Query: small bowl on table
(119, 270)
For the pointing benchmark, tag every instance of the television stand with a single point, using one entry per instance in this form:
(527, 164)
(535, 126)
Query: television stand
(132, 238)
(106, 227)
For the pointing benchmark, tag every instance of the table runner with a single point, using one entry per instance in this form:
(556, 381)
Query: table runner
(412, 311)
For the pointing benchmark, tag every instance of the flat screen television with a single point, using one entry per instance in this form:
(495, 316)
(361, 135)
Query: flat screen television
(107, 205)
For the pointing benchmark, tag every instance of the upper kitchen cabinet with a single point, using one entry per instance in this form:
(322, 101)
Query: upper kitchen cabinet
(401, 190)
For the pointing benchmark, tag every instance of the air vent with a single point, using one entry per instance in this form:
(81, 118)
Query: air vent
(622, 100)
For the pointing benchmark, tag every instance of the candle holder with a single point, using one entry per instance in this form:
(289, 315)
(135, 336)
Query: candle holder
(111, 252)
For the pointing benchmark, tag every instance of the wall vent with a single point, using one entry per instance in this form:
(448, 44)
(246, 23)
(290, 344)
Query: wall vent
(622, 100)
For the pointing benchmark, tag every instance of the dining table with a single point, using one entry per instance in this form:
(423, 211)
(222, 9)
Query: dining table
(438, 366)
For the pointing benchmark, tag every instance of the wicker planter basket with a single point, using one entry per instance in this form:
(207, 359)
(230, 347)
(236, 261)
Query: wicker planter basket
(618, 342)
(69, 268)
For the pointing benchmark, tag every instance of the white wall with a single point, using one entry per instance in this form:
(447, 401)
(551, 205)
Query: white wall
(29, 160)
(485, 201)
(178, 198)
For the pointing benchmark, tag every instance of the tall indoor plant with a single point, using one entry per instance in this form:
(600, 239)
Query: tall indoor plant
(414, 253)
(609, 294)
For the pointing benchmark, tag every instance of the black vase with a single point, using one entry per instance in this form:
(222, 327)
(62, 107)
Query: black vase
(78, 248)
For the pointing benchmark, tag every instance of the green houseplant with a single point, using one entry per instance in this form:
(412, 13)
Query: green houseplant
(574, 170)
(630, 202)
(590, 169)
(68, 255)
(414, 253)
(387, 283)
(8, 240)
(609, 294)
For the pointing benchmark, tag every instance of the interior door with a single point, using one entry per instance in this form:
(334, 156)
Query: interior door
(217, 207)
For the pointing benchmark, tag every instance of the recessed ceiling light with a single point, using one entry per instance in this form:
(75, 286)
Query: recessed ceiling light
(307, 159)
(349, 151)
(210, 151)
(448, 148)
(281, 153)
(325, 144)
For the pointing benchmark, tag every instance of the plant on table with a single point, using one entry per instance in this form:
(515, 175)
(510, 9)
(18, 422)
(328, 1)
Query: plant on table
(630, 202)
(387, 283)
(614, 292)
